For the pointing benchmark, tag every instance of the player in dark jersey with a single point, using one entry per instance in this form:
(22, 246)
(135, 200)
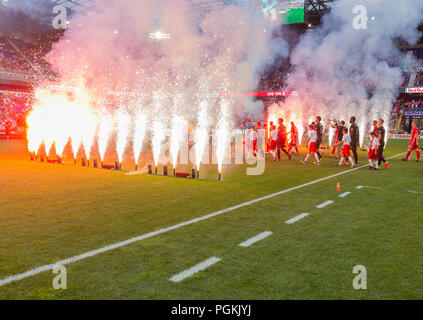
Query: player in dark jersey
(319, 131)
(355, 138)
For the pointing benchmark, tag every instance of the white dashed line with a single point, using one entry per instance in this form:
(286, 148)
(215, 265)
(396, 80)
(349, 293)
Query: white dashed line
(195, 269)
(324, 204)
(255, 239)
(297, 218)
(344, 194)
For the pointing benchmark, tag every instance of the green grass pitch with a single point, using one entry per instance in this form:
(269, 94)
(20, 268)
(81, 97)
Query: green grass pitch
(51, 212)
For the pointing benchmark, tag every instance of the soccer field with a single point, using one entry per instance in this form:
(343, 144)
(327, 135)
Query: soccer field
(54, 212)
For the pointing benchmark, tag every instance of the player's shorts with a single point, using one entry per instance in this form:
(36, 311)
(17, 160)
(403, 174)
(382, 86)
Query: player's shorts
(281, 143)
(312, 147)
(273, 144)
(373, 155)
(414, 146)
(346, 151)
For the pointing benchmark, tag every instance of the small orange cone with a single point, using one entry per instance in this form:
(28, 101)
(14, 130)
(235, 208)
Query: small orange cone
(338, 187)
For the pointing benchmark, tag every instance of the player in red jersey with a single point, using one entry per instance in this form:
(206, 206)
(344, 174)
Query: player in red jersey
(375, 126)
(282, 137)
(294, 138)
(414, 142)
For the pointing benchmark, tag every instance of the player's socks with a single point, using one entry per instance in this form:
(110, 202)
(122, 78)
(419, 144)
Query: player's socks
(317, 158)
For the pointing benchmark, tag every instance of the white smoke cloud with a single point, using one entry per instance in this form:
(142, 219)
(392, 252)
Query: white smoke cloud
(335, 63)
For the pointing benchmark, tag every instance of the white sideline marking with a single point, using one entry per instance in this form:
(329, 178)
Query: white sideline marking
(195, 269)
(344, 194)
(92, 253)
(255, 239)
(324, 204)
(299, 217)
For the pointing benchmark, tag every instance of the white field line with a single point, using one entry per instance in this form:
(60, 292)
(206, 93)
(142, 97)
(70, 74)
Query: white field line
(255, 239)
(297, 218)
(343, 195)
(416, 192)
(367, 187)
(92, 253)
(324, 204)
(195, 269)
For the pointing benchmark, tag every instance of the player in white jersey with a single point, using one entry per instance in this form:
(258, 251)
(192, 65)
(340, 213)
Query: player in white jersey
(312, 138)
(273, 145)
(373, 151)
(346, 141)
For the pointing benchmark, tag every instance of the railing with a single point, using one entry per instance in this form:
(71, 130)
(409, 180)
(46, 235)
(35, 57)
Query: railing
(9, 75)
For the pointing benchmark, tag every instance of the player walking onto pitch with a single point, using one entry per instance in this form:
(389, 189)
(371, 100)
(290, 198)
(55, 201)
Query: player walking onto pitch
(319, 131)
(381, 137)
(414, 143)
(273, 145)
(346, 141)
(312, 138)
(355, 138)
(373, 151)
(294, 138)
(282, 137)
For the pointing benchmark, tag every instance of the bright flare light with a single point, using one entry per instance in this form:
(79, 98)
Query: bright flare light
(158, 35)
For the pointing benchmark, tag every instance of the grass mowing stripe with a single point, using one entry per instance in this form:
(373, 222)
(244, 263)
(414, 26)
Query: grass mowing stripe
(195, 269)
(255, 239)
(343, 195)
(324, 204)
(297, 218)
(92, 253)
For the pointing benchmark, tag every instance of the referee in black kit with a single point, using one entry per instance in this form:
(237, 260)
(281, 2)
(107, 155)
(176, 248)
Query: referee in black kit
(355, 138)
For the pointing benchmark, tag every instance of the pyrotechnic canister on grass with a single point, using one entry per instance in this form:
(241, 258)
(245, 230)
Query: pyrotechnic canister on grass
(165, 170)
(150, 169)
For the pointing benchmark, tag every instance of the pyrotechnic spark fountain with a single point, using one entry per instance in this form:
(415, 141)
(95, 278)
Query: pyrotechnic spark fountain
(201, 133)
(139, 134)
(178, 131)
(222, 134)
(157, 140)
(106, 125)
(89, 127)
(123, 123)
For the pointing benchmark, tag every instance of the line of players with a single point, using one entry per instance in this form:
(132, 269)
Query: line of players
(346, 141)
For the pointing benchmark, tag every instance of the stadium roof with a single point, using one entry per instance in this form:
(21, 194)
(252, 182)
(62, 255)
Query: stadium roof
(76, 5)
